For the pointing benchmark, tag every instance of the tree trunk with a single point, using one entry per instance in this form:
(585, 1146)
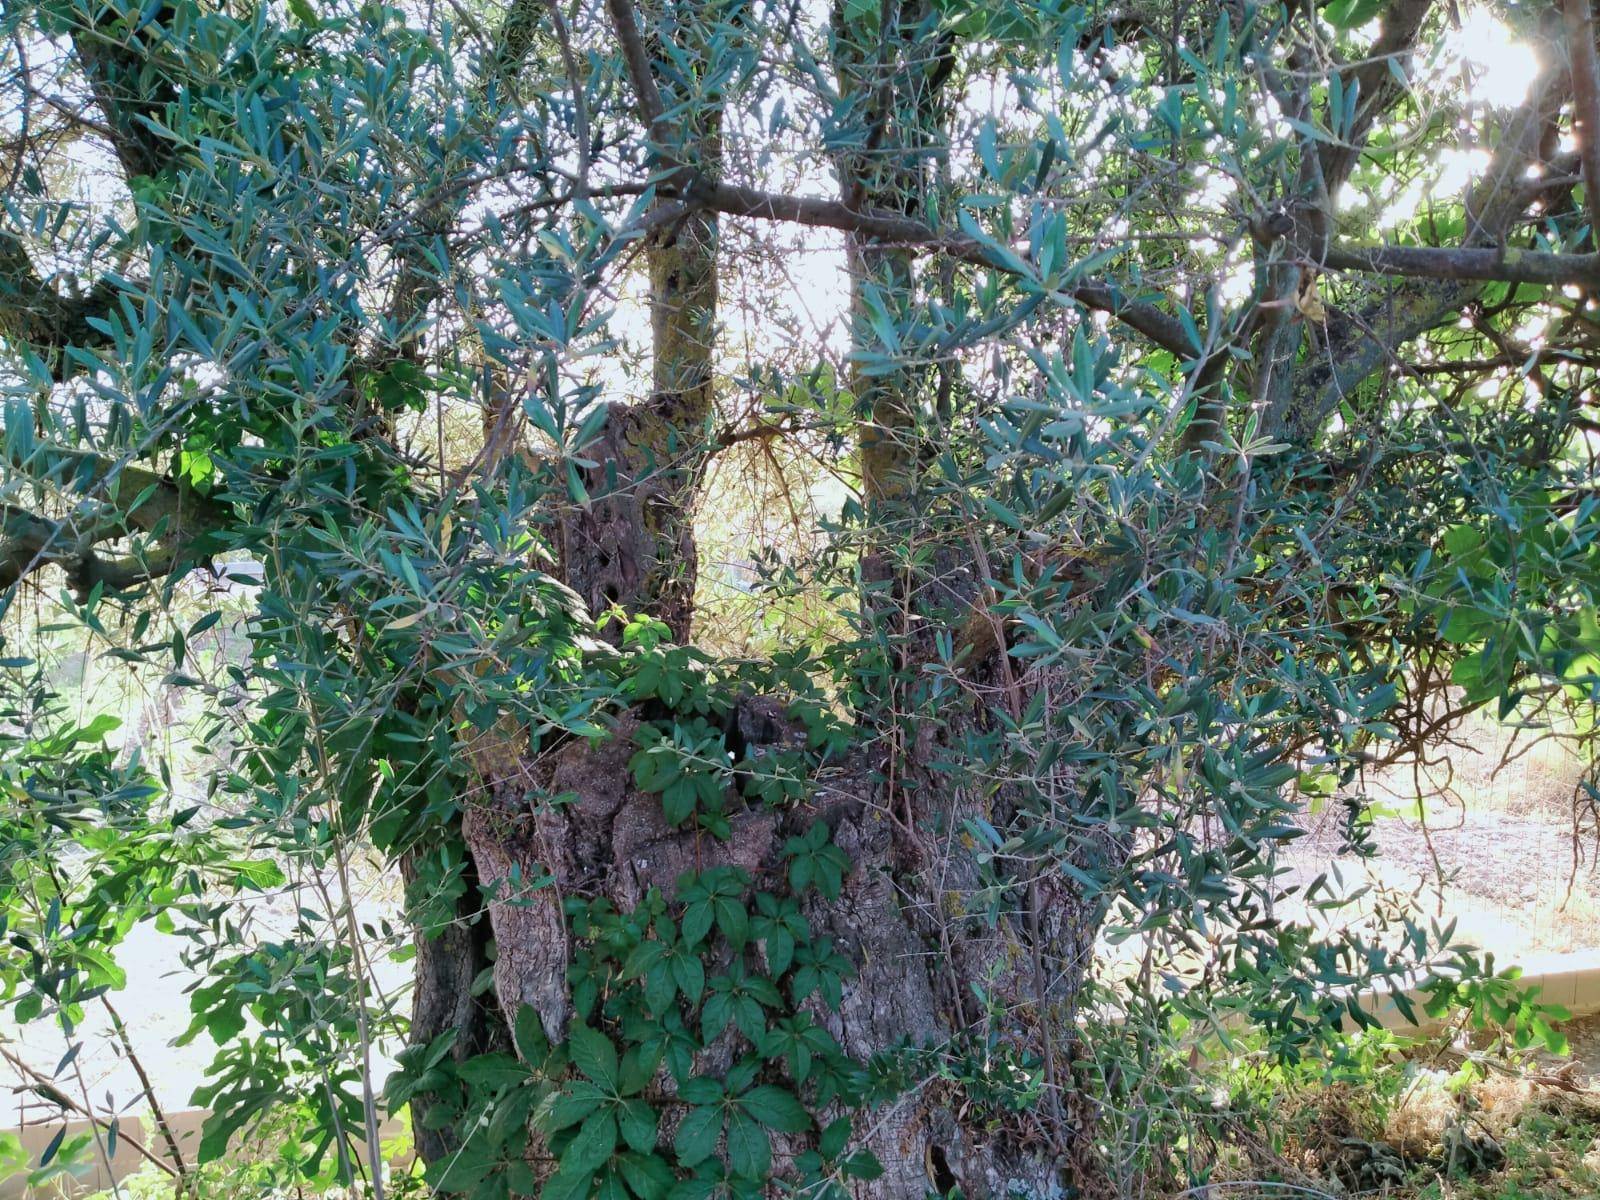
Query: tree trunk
(447, 964)
(896, 809)
(906, 916)
(634, 544)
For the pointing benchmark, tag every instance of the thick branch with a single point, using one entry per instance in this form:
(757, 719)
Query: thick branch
(1379, 86)
(1586, 103)
(28, 542)
(34, 313)
(129, 88)
(883, 226)
(174, 516)
(1487, 263)
(1166, 331)
(640, 74)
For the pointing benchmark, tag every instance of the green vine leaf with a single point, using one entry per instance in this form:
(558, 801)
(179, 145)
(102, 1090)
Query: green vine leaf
(697, 1135)
(594, 1055)
(776, 1109)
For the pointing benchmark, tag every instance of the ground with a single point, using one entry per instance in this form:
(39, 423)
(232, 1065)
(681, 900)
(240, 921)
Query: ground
(1496, 849)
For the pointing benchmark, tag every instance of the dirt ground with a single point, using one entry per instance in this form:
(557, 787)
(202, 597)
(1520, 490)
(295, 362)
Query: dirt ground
(1583, 1045)
(1503, 848)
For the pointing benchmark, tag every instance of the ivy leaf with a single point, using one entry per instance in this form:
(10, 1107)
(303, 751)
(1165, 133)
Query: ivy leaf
(659, 988)
(690, 975)
(571, 1105)
(701, 1091)
(863, 1164)
(493, 1071)
(749, 1017)
(638, 1068)
(532, 1043)
(678, 800)
(734, 922)
(643, 957)
(749, 1148)
(1351, 14)
(834, 1138)
(648, 1176)
(592, 1148)
(697, 919)
(694, 1189)
(716, 1014)
(638, 1123)
(780, 949)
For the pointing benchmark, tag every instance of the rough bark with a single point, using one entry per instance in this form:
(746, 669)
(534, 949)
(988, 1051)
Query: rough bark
(899, 920)
(905, 917)
(448, 962)
(633, 544)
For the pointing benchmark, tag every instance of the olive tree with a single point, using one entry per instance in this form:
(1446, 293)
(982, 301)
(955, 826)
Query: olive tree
(1201, 444)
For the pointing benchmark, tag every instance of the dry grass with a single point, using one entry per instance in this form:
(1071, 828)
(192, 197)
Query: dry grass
(1507, 1137)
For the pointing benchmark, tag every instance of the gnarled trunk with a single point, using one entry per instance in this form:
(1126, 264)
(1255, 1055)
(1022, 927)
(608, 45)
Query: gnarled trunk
(447, 965)
(633, 545)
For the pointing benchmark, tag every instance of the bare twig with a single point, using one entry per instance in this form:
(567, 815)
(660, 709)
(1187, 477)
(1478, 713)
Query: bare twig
(156, 1111)
(41, 1083)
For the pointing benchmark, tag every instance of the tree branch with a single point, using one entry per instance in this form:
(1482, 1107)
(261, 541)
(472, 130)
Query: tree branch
(1379, 86)
(1497, 263)
(1586, 103)
(45, 1087)
(129, 88)
(34, 313)
(1357, 345)
(737, 201)
(176, 517)
(640, 74)
(29, 541)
